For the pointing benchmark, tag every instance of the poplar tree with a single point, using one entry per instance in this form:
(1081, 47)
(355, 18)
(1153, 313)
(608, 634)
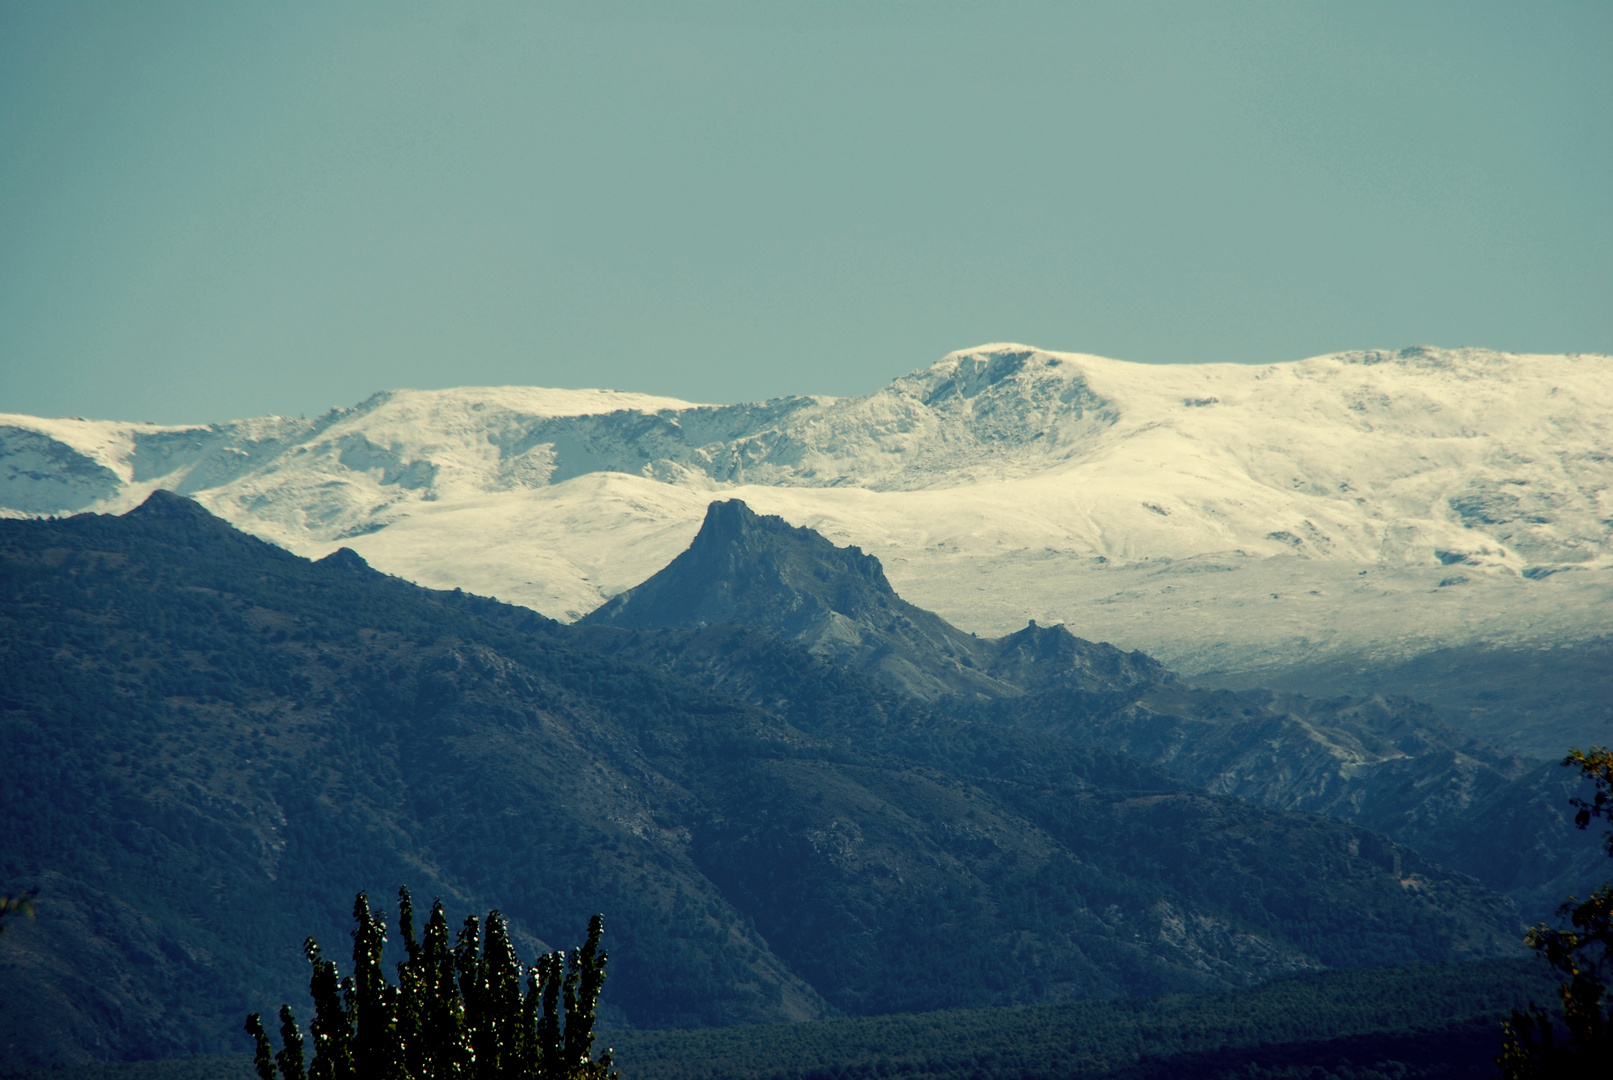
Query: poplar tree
(290, 1057)
(378, 1044)
(444, 1051)
(332, 1028)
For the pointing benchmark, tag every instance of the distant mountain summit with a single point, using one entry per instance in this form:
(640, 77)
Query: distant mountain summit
(744, 567)
(758, 570)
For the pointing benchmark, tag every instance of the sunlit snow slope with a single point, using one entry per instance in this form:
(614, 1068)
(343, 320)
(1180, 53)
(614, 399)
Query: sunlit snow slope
(1223, 517)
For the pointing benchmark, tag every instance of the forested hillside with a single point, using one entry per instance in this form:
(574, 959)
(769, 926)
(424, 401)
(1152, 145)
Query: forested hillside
(211, 744)
(1412, 1022)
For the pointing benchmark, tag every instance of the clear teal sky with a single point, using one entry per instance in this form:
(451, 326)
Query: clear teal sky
(211, 209)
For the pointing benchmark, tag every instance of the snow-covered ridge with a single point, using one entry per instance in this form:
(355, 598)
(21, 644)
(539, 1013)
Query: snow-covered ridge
(1382, 500)
(402, 439)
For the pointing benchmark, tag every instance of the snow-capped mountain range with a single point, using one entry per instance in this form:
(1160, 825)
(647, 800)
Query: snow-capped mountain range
(1222, 517)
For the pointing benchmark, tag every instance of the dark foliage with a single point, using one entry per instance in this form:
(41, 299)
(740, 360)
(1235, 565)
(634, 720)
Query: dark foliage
(455, 1013)
(1580, 1044)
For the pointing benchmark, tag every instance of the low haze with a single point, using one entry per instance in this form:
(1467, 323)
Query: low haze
(212, 211)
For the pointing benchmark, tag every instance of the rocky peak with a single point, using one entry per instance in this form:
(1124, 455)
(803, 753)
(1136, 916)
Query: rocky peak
(758, 570)
(165, 505)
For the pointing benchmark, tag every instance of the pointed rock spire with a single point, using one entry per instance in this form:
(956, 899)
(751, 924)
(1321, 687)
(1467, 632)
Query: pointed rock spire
(758, 570)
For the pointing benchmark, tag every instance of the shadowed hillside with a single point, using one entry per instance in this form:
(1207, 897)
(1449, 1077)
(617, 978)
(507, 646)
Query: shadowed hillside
(211, 744)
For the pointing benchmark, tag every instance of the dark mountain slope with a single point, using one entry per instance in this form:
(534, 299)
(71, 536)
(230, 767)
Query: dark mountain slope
(1042, 658)
(1102, 805)
(821, 698)
(1388, 763)
(211, 744)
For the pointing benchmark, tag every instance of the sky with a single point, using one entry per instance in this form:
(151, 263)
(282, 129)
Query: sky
(215, 210)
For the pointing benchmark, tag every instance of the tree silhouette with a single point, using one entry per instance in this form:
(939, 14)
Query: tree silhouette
(1534, 1045)
(454, 1014)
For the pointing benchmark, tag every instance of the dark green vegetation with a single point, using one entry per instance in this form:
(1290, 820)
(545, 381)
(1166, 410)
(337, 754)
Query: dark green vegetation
(211, 743)
(1405, 1023)
(456, 1012)
(1389, 763)
(1582, 951)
